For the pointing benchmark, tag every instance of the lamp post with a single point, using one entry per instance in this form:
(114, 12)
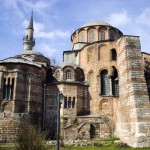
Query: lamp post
(59, 101)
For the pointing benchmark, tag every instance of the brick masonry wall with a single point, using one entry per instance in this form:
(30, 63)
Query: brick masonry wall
(95, 58)
(77, 91)
(133, 119)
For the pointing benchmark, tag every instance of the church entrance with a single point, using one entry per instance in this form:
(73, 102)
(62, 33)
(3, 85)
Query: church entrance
(92, 131)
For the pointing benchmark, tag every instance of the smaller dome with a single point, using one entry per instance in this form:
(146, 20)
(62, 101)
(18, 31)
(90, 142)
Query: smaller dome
(97, 22)
(31, 52)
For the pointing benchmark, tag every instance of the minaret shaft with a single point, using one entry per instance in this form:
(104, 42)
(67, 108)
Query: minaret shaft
(29, 41)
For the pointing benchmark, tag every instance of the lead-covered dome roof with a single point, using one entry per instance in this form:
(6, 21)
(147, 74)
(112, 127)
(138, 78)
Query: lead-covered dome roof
(96, 22)
(32, 52)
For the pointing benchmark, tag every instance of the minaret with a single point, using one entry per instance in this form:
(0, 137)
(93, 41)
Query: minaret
(28, 40)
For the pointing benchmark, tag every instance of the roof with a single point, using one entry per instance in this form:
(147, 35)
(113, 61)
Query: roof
(97, 22)
(30, 26)
(19, 60)
(32, 52)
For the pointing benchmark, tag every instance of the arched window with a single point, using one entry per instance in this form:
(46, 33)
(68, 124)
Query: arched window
(91, 36)
(115, 82)
(82, 37)
(8, 88)
(68, 74)
(113, 54)
(105, 83)
(101, 35)
(79, 74)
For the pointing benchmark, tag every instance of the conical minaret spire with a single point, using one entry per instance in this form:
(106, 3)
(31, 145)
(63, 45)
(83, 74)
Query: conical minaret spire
(30, 26)
(29, 41)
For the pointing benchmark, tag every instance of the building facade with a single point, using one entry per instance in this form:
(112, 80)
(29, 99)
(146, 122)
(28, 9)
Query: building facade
(104, 80)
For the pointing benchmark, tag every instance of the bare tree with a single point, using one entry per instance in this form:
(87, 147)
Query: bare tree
(54, 61)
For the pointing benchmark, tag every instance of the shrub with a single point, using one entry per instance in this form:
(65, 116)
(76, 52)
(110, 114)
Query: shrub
(30, 138)
(122, 145)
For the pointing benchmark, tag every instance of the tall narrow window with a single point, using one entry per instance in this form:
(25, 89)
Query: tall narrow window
(101, 35)
(12, 88)
(4, 89)
(113, 54)
(69, 102)
(115, 82)
(68, 74)
(73, 102)
(8, 89)
(65, 102)
(105, 83)
(82, 37)
(91, 36)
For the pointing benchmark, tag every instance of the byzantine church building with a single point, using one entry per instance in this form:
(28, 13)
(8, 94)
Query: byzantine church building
(104, 80)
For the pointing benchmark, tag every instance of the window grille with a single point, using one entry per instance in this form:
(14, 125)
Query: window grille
(91, 36)
(68, 74)
(82, 37)
(101, 35)
(105, 83)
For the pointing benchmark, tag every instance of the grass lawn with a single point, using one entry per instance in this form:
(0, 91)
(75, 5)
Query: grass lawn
(6, 146)
(108, 147)
(9, 146)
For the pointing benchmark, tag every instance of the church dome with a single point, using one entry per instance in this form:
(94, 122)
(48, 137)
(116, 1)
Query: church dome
(94, 31)
(96, 23)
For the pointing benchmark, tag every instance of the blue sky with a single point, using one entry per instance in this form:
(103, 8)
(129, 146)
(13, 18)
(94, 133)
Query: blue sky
(56, 20)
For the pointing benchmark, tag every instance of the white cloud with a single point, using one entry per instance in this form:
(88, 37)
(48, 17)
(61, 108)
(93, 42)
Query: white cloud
(38, 27)
(118, 19)
(40, 4)
(46, 50)
(41, 32)
(52, 34)
(143, 18)
(22, 7)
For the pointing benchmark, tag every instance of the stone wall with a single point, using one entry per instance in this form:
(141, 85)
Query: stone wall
(75, 92)
(133, 122)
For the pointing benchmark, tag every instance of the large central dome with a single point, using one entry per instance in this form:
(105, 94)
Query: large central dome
(97, 22)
